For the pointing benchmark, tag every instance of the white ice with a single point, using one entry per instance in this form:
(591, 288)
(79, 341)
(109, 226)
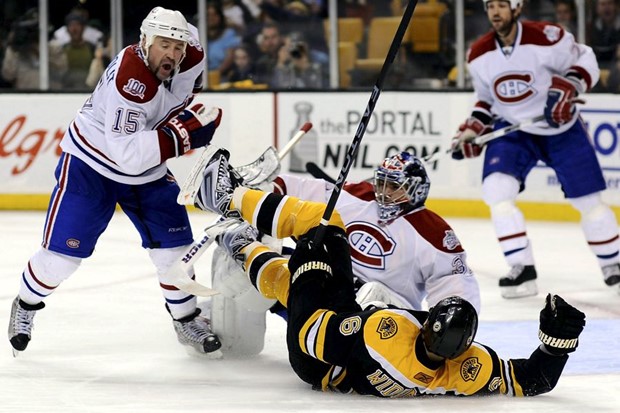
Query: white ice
(105, 343)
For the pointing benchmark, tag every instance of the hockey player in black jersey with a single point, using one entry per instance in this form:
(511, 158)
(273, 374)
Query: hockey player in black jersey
(380, 350)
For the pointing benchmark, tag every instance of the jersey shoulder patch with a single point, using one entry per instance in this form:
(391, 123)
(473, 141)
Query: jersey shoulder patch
(541, 33)
(194, 54)
(134, 81)
(435, 230)
(362, 190)
(481, 46)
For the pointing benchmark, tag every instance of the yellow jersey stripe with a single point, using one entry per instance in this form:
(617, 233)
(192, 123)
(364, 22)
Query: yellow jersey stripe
(518, 390)
(308, 332)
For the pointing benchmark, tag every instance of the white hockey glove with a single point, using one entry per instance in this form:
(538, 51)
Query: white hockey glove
(377, 295)
(262, 171)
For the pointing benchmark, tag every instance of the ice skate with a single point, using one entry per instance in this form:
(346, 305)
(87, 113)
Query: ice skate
(519, 282)
(611, 276)
(195, 331)
(234, 239)
(218, 184)
(21, 324)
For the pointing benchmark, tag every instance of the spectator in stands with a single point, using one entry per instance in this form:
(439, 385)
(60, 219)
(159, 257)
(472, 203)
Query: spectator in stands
(269, 42)
(613, 81)
(100, 61)
(605, 32)
(20, 66)
(295, 16)
(80, 53)
(566, 15)
(233, 13)
(90, 34)
(243, 66)
(221, 39)
(295, 68)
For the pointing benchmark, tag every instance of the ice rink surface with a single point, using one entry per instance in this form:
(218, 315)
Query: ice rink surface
(105, 343)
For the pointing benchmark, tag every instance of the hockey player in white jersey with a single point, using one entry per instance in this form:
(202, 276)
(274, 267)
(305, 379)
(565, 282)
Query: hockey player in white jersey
(395, 240)
(115, 152)
(402, 253)
(521, 70)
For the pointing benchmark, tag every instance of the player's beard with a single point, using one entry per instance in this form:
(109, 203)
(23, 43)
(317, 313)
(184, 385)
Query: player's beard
(503, 27)
(165, 69)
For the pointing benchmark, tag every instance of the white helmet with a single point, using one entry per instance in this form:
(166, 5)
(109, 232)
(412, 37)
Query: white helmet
(513, 3)
(164, 23)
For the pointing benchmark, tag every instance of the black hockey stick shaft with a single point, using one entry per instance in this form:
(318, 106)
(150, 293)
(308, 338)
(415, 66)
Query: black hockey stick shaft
(361, 129)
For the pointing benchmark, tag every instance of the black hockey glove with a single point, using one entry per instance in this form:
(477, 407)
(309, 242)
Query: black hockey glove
(560, 326)
(308, 260)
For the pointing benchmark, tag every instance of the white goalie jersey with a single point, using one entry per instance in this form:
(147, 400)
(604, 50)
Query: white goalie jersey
(418, 256)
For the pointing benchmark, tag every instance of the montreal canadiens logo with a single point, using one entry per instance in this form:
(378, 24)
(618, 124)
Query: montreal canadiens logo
(514, 87)
(369, 245)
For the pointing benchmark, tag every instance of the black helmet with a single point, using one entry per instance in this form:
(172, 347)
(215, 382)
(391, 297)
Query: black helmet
(451, 327)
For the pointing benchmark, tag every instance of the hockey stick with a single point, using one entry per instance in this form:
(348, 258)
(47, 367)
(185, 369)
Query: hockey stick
(189, 190)
(359, 133)
(179, 272)
(488, 137)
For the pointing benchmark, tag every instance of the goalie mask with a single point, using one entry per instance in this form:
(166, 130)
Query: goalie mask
(450, 328)
(166, 23)
(401, 185)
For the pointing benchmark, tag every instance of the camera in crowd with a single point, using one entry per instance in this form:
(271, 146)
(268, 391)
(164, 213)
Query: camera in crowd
(297, 50)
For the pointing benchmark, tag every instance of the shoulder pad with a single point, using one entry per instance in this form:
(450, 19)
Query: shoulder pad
(134, 81)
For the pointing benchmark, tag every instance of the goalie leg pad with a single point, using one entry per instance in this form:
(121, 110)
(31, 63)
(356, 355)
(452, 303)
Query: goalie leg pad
(238, 314)
(241, 331)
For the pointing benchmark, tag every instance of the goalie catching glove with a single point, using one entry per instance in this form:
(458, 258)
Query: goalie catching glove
(561, 99)
(463, 145)
(560, 326)
(192, 128)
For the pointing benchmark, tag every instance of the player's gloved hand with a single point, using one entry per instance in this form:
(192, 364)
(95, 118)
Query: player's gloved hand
(308, 260)
(192, 128)
(561, 100)
(463, 145)
(560, 326)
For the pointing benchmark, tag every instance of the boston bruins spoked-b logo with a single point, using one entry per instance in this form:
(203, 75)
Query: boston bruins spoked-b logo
(369, 245)
(470, 369)
(387, 327)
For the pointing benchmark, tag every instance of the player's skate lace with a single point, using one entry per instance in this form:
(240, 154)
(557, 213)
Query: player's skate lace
(21, 323)
(218, 185)
(234, 239)
(611, 274)
(195, 331)
(519, 282)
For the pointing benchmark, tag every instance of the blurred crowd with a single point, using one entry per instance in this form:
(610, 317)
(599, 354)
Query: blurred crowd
(271, 44)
